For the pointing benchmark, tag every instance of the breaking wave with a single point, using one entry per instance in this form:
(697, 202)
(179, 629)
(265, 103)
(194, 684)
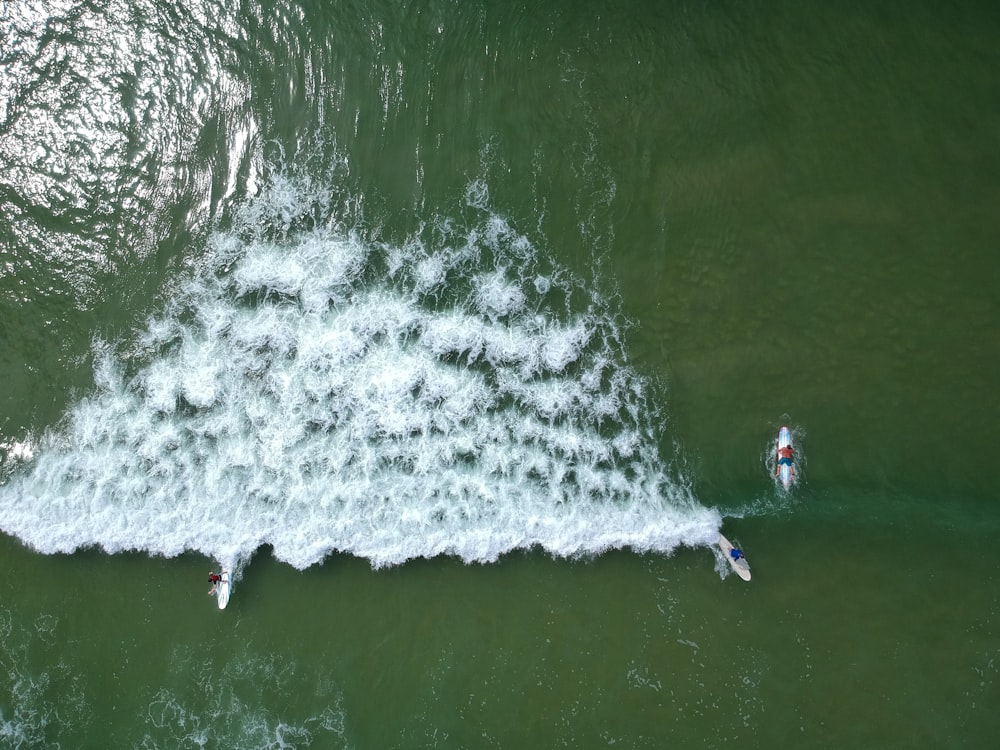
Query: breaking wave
(314, 390)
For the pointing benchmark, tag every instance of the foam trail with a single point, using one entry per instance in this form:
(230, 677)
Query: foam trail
(317, 392)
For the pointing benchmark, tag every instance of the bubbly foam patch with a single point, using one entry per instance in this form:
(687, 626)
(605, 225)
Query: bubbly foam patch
(38, 700)
(311, 390)
(232, 707)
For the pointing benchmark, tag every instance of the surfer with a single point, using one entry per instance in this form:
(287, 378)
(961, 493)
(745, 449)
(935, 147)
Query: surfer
(736, 553)
(214, 579)
(785, 457)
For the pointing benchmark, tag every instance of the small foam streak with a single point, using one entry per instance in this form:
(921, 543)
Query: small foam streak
(296, 394)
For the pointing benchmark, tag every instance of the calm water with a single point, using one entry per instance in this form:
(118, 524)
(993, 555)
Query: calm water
(459, 331)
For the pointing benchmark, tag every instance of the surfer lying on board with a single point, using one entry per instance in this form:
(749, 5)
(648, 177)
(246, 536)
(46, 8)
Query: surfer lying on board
(213, 578)
(785, 457)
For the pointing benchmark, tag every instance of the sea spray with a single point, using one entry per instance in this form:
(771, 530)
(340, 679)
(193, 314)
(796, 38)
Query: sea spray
(316, 391)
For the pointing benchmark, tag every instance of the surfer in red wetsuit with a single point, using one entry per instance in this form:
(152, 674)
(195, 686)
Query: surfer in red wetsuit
(213, 578)
(785, 457)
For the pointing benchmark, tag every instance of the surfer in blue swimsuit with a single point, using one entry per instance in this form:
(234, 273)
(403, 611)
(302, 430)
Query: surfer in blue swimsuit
(736, 553)
(785, 456)
(214, 579)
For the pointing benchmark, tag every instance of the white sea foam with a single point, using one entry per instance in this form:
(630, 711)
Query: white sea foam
(317, 392)
(36, 701)
(230, 709)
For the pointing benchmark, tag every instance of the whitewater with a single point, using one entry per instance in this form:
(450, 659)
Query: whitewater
(314, 390)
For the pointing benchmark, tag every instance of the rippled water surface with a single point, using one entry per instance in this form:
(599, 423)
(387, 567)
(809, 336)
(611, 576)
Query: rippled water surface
(458, 331)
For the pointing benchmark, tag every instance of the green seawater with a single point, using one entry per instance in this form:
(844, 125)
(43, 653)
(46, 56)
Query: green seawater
(794, 205)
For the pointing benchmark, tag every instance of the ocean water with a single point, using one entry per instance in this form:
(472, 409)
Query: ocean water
(458, 331)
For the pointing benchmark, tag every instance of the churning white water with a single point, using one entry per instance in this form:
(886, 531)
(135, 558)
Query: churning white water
(455, 394)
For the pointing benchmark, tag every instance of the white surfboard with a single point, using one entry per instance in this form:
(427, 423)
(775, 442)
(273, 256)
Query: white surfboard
(741, 567)
(222, 591)
(786, 473)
